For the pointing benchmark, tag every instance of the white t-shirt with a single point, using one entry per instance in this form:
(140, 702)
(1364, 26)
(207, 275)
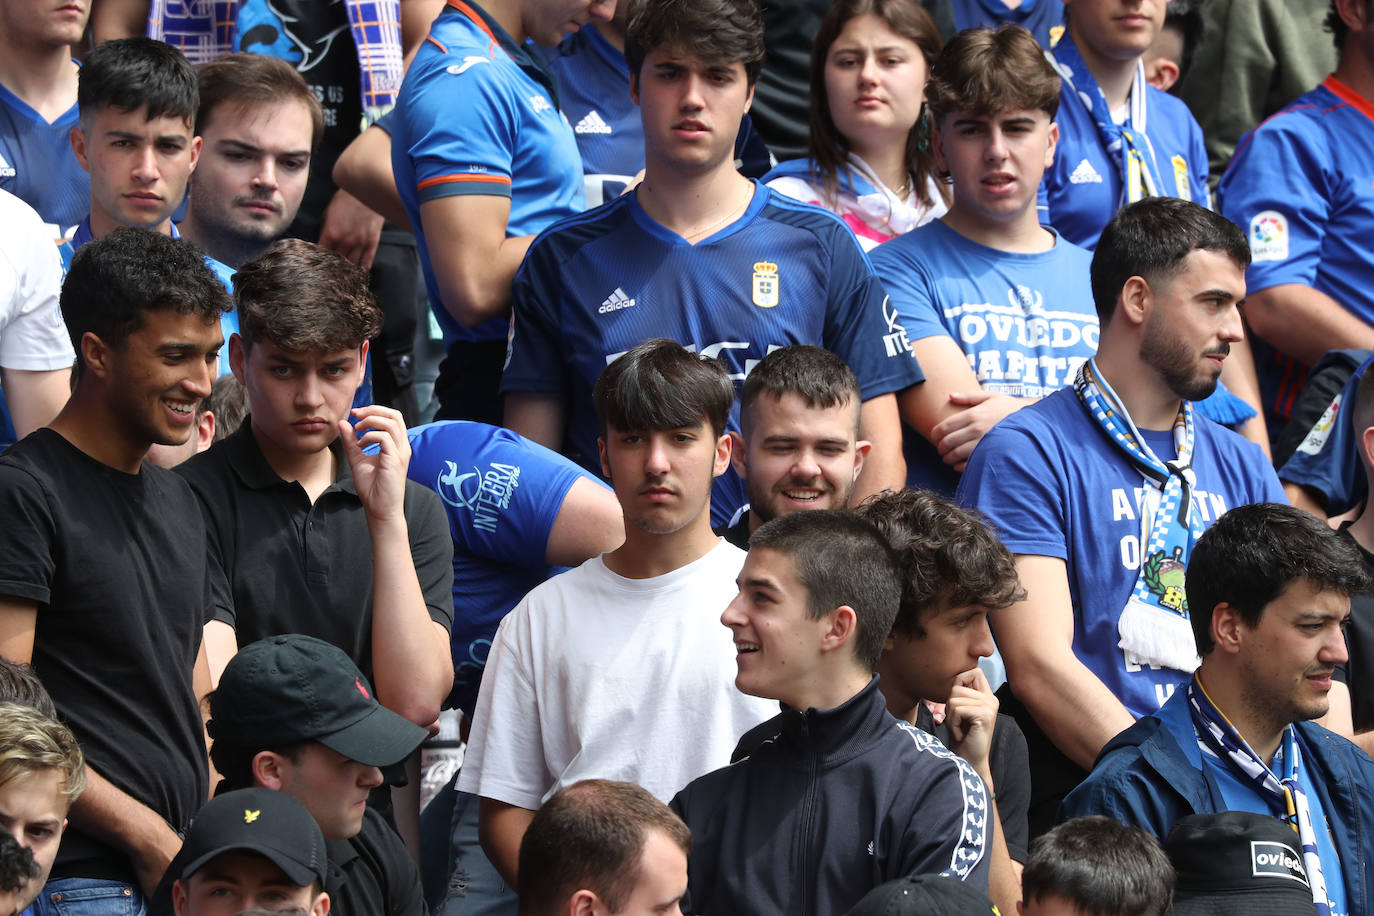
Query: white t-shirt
(32, 333)
(594, 675)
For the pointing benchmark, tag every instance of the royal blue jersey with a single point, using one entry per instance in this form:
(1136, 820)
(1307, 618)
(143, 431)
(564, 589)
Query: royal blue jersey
(1052, 484)
(1082, 189)
(502, 494)
(594, 93)
(1025, 321)
(37, 164)
(478, 115)
(1042, 18)
(784, 273)
(1302, 186)
(1328, 457)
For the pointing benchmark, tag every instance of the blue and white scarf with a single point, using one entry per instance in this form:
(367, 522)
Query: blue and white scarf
(1140, 172)
(1153, 626)
(1217, 734)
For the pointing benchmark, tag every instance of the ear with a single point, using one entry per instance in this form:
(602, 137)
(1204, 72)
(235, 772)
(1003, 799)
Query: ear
(605, 462)
(362, 360)
(861, 450)
(1227, 628)
(1134, 301)
(179, 897)
(238, 358)
(722, 455)
(1161, 73)
(95, 354)
(634, 88)
(205, 431)
(321, 905)
(583, 903)
(1367, 447)
(1353, 13)
(738, 456)
(890, 643)
(195, 152)
(270, 770)
(840, 627)
(749, 100)
(78, 141)
(1053, 144)
(937, 146)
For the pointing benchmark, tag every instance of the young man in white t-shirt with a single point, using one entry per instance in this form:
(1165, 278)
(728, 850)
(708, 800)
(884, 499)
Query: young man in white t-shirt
(618, 669)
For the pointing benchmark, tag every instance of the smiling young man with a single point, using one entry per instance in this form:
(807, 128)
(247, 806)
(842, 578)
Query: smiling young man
(138, 101)
(996, 305)
(252, 850)
(143, 313)
(698, 254)
(845, 797)
(1271, 589)
(361, 557)
(798, 445)
(617, 669)
(1101, 489)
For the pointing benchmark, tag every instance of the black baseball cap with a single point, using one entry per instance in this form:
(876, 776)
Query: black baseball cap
(1238, 862)
(272, 824)
(925, 895)
(287, 689)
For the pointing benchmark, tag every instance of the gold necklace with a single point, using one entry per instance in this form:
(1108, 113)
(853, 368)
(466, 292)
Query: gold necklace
(729, 217)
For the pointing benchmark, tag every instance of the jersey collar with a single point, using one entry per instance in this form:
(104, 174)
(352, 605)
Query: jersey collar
(1350, 96)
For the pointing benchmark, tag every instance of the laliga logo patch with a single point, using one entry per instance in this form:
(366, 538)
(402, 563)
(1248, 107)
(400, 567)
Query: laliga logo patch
(1316, 437)
(1269, 236)
(765, 284)
(1275, 860)
(1185, 190)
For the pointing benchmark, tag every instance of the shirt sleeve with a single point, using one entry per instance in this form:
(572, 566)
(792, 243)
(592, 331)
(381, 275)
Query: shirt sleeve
(908, 287)
(1011, 481)
(1326, 458)
(505, 759)
(949, 833)
(1274, 189)
(431, 548)
(27, 565)
(1009, 760)
(33, 336)
(463, 122)
(862, 326)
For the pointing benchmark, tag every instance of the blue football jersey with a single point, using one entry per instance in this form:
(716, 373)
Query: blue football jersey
(784, 273)
(1042, 18)
(37, 164)
(478, 115)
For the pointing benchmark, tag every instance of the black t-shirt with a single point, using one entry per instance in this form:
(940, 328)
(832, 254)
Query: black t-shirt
(116, 563)
(280, 564)
(782, 98)
(1359, 642)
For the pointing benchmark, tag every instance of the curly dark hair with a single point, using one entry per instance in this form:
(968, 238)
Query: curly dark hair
(306, 299)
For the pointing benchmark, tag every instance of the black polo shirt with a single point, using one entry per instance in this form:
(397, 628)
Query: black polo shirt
(372, 874)
(280, 564)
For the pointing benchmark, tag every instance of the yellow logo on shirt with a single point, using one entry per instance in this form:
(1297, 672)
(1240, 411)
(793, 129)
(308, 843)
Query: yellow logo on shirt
(1185, 189)
(765, 284)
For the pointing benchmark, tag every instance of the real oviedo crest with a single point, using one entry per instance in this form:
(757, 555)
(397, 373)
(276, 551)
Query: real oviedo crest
(765, 284)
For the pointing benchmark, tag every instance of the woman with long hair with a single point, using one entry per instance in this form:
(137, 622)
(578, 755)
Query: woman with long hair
(871, 159)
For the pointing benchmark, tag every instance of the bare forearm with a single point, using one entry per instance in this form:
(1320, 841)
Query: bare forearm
(478, 288)
(1004, 875)
(1075, 709)
(411, 667)
(1304, 323)
(501, 827)
(111, 815)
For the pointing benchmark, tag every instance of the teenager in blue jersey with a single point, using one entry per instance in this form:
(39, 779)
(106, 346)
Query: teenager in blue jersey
(1271, 589)
(1086, 487)
(518, 513)
(483, 160)
(1120, 139)
(1044, 19)
(996, 305)
(38, 110)
(1300, 185)
(698, 254)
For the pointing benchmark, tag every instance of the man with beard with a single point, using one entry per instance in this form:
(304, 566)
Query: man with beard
(798, 445)
(1101, 489)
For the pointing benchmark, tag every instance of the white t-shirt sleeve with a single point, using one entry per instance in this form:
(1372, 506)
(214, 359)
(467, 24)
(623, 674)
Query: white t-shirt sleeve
(505, 755)
(32, 333)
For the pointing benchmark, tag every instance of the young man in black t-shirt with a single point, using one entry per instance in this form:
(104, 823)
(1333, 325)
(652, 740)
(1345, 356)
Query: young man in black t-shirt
(103, 584)
(954, 571)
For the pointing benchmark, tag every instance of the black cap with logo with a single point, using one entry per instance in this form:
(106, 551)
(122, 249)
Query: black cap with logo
(925, 895)
(286, 689)
(1238, 862)
(272, 824)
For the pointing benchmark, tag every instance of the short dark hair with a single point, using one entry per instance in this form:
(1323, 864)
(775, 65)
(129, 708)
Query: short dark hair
(1102, 866)
(660, 385)
(137, 73)
(115, 279)
(711, 30)
(819, 377)
(254, 79)
(19, 684)
(1186, 16)
(1152, 238)
(1254, 553)
(984, 71)
(829, 149)
(306, 299)
(591, 835)
(840, 559)
(228, 401)
(947, 556)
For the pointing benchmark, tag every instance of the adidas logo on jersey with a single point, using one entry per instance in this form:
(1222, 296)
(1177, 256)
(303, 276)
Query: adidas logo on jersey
(593, 123)
(615, 302)
(7, 170)
(1084, 173)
